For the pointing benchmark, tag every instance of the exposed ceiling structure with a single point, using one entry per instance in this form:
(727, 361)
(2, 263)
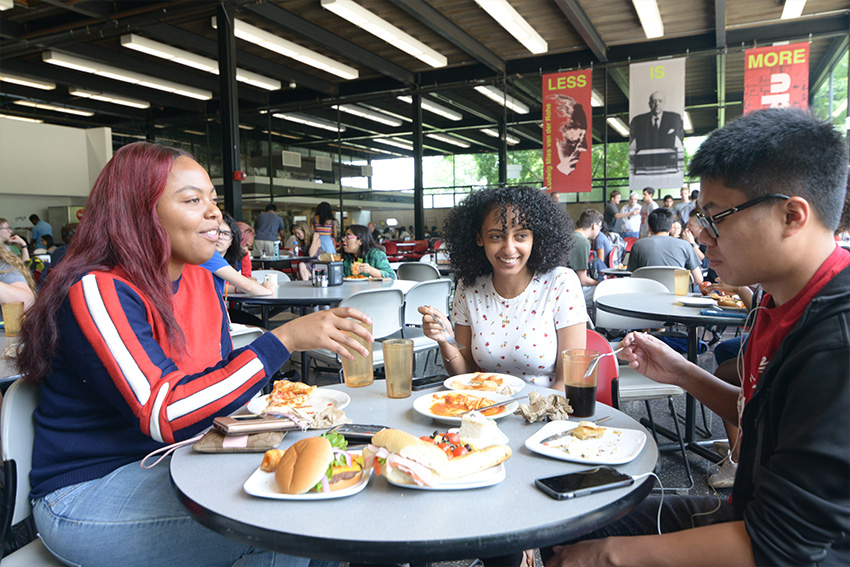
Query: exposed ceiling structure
(304, 69)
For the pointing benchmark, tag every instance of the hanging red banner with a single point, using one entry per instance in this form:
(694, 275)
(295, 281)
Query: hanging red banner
(776, 76)
(567, 157)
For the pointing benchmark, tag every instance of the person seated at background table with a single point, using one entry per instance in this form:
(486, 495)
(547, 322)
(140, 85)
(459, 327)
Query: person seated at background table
(120, 345)
(226, 261)
(660, 249)
(676, 228)
(246, 244)
(57, 255)
(588, 227)
(46, 245)
(690, 234)
(301, 236)
(9, 239)
(517, 305)
(16, 282)
(772, 187)
(361, 255)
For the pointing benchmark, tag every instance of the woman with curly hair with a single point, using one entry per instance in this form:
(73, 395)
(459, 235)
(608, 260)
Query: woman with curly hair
(16, 283)
(517, 305)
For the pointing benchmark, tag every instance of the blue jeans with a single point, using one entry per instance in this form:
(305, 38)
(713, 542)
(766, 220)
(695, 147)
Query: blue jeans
(132, 517)
(629, 234)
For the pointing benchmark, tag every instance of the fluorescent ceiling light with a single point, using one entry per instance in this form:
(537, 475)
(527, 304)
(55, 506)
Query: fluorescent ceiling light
(435, 108)
(103, 97)
(95, 68)
(310, 121)
(618, 125)
(387, 112)
(26, 82)
(650, 17)
(42, 106)
(511, 140)
(449, 140)
(269, 41)
(397, 142)
(496, 95)
(182, 57)
(382, 29)
(596, 99)
(246, 127)
(21, 118)
(6, 5)
(508, 18)
(792, 9)
(368, 114)
(687, 124)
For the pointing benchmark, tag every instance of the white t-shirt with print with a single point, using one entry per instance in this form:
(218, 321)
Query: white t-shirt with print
(519, 336)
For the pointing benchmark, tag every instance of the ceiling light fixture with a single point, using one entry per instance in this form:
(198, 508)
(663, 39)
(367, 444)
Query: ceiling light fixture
(618, 125)
(26, 82)
(310, 121)
(269, 41)
(650, 17)
(434, 108)
(449, 140)
(792, 9)
(103, 97)
(42, 106)
(596, 99)
(21, 118)
(95, 68)
(382, 29)
(182, 57)
(397, 142)
(511, 140)
(387, 112)
(506, 16)
(6, 5)
(507, 100)
(368, 114)
(687, 124)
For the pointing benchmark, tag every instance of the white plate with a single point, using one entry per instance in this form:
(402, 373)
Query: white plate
(617, 445)
(262, 484)
(483, 443)
(460, 382)
(321, 399)
(423, 405)
(738, 309)
(489, 477)
(691, 301)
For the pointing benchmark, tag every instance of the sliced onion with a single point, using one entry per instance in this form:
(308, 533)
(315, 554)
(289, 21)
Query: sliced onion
(339, 451)
(326, 487)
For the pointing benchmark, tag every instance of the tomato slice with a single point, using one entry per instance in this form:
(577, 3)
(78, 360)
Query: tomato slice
(453, 438)
(460, 450)
(428, 439)
(447, 448)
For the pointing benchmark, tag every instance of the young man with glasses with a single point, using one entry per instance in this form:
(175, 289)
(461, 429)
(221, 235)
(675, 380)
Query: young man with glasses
(773, 184)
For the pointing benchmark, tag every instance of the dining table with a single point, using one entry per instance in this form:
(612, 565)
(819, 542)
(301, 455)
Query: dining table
(669, 309)
(616, 272)
(385, 523)
(283, 261)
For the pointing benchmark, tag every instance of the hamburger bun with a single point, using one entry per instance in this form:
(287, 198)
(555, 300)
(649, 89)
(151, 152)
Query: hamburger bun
(303, 465)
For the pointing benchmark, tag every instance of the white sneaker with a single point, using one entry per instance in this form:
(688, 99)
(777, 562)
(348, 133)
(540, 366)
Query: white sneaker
(722, 447)
(725, 476)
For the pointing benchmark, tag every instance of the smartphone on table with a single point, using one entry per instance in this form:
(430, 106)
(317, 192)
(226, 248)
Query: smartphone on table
(244, 424)
(582, 483)
(429, 382)
(358, 433)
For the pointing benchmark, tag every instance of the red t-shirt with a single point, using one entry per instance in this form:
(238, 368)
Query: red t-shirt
(246, 265)
(774, 323)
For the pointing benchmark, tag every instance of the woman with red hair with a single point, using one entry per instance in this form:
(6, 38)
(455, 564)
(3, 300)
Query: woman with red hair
(247, 242)
(129, 343)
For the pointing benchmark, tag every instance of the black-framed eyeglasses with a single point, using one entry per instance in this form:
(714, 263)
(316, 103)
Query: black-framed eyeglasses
(710, 223)
(225, 233)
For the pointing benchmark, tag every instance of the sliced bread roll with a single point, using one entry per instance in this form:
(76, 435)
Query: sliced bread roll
(411, 447)
(474, 462)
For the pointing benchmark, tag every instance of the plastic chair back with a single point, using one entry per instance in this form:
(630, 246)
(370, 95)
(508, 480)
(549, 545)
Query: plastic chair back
(613, 257)
(607, 370)
(260, 275)
(434, 293)
(417, 272)
(243, 335)
(383, 306)
(663, 274)
(614, 286)
(630, 240)
(17, 432)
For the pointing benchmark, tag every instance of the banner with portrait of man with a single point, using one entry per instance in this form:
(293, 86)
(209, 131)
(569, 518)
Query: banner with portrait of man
(567, 157)
(656, 128)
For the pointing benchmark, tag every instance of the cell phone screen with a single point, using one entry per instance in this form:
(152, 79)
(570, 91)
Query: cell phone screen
(583, 482)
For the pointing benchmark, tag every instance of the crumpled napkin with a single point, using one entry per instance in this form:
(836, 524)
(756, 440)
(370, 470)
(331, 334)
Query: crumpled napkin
(539, 407)
(329, 417)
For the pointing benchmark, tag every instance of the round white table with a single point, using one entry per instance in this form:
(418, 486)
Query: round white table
(388, 524)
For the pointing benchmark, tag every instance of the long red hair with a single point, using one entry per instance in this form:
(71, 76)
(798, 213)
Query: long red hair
(120, 229)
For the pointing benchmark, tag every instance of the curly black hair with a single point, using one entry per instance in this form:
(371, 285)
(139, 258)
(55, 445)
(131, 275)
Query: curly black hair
(535, 210)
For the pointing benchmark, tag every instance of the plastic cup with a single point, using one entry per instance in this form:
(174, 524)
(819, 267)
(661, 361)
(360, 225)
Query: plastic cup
(359, 372)
(13, 314)
(398, 364)
(682, 282)
(271, 281)
(581, 391)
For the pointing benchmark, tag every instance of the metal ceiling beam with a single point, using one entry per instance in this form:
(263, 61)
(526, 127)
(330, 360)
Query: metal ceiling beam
(61, 96)
(582, 24)
(93, 8)
(9, 30)
(178, 37)
(790, 30)
(331, 41)
(435, 20)
(720, 23)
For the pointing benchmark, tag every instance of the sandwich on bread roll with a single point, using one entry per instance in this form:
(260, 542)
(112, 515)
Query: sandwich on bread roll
(406, 459)
(312, 464)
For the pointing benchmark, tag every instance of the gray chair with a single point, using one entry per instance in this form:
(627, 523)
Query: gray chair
(17, 431)
(243, 335)
(605, 320)
(417, 272)
(384, 307)
(435, 293)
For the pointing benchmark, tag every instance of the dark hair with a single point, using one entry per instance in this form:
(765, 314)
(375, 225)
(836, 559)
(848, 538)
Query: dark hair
(34, 218)
(68, 232)
(614, 193)
(271, 207)
(649, 190)
(366, 240)
(668, 197)
(660, 220)
(535, 210)
(120, 229)
(324, 212)
(694, 195)
(48, 240)
(233, 254)
(779, 150)
(588, 217)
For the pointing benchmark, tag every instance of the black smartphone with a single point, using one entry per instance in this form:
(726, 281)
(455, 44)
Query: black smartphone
(429, 382)
(242, 424)
(358, 433)
(581, 483)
